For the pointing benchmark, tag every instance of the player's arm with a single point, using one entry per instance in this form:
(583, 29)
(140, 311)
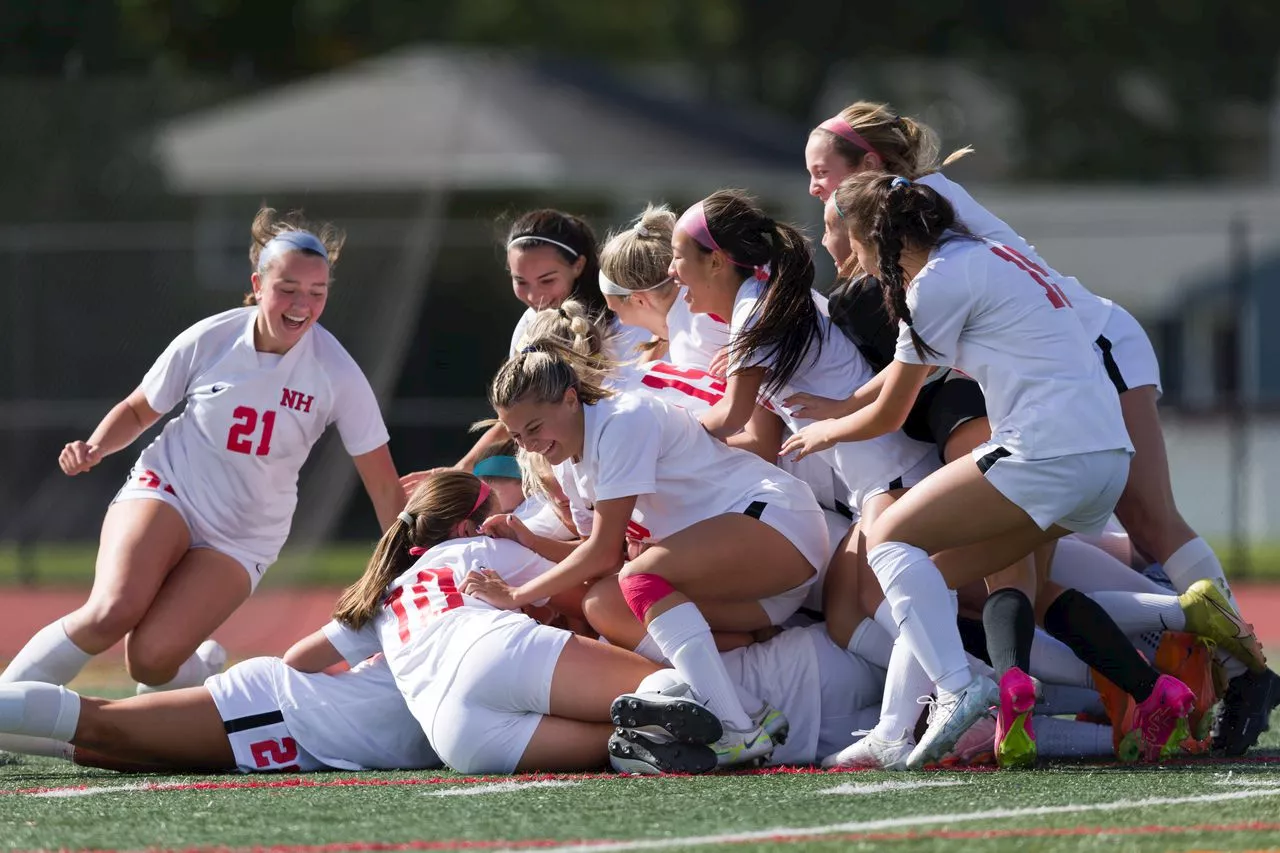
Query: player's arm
(507, 526)
(492, 437)
(761, 436)
(734, 410)
(599, 555)
(313, 653)
(378, 473)
(887, 413)
(127, 420)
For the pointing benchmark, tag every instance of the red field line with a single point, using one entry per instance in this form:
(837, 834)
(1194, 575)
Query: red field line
(533, 844)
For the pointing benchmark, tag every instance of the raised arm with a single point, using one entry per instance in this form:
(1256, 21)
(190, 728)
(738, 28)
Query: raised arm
(127, 420)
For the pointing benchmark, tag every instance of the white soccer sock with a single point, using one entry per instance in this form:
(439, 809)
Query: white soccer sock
(905, 681)
(1057, 738)
(685, 639)
(1084, 568)
(1059, 699)
(1052, 661)
(649, 649)
(1196, 561)
(884, 618)
(49, 657)
(922, 608)
(39, 710)
(45, 746)
(1138, 612)
(871, 643)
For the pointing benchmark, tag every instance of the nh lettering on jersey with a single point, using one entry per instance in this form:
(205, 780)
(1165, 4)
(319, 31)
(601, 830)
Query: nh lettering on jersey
(433, 593)
(296, 400)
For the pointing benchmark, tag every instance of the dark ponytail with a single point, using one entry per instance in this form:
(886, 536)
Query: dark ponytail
(787, 325)
(889, 214)
(541, 227)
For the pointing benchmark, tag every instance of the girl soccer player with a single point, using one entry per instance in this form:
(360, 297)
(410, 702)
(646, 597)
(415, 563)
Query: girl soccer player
(209, 503)
(719, 528)
(1057, 461)
(868, 136)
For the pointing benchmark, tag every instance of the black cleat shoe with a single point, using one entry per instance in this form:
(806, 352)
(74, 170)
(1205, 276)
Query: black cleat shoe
(1245, 712)
(680, 717)
(637, 753)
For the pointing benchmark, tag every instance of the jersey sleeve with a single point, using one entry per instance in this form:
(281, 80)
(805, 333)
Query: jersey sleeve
(165, 384)
(356, 410)
(627, 454)
(353, 645)
(940, 304)
(745, 316)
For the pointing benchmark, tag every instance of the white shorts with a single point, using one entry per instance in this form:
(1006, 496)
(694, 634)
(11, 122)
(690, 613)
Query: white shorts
(260, 739)
(1077, 492)
(913, 477)
(499, 694)
(804, 528)
(145, 484)
(1126, 352)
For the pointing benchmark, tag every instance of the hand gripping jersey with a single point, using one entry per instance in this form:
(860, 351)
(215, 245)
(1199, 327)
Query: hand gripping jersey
(1005, 321)
(232, 457)
(834, 371)
(425, 626)
(1093, 310)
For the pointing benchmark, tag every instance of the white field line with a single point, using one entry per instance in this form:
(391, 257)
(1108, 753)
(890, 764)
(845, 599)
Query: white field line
(1247, 780)
(904, 822)
(498, 788)
(90, 792)
(882, 787)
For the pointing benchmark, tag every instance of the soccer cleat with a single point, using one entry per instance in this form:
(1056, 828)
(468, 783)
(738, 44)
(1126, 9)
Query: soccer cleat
(1245, 712)
(680, 717)
(1159, 722)
(871, 752)
(638, 753)
(1120, 709)
(1189, 659)
(950, 717)
(1015, 736)
(1209, 614)
(736, 748)
(774, 723)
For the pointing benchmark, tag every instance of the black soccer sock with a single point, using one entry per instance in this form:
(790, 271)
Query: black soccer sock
(1079, 622)
(1010, 622)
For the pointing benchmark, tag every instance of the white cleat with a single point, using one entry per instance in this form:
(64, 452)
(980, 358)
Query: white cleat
(951, 717)
(738, 748)
(872, 753)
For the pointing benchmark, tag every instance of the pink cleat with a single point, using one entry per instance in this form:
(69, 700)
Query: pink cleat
(1159, 722)
(1015, 741)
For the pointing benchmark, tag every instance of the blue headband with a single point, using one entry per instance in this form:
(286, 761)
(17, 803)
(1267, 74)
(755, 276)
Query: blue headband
(498, 466)
(291, 240)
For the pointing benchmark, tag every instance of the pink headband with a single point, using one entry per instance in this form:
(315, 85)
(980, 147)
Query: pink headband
(694, 223)
(844, 130)
(418, 551)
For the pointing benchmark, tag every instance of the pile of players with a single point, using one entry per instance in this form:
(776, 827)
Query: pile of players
(718, 520)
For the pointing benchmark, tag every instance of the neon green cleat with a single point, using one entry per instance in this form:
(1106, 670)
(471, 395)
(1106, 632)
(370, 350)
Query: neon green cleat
(1210, 615)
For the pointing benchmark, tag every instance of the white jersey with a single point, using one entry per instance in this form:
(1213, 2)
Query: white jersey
(622, 342)
(789, 673)
(835, 371)
(354, 720)
(1093, 310)
(425, 626)
(998, 317)
(233, 455)
(694, 339)
(637, 445)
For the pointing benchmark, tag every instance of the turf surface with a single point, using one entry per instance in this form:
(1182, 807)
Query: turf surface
(1189, 805)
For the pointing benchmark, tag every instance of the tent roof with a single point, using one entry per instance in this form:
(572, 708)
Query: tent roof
(468, 119)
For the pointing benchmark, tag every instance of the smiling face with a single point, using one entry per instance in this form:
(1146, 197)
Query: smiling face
(695, 268)
(835, 235)
(826, 166)
(540, 276)
(291, 295)
(554, 430)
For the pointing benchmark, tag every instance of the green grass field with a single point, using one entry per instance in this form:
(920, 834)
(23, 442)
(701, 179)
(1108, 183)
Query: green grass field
(1193, 805)
(340, 564)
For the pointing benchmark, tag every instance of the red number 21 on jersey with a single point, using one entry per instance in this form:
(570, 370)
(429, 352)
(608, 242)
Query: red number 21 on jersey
(1057, 298)
(240, 437)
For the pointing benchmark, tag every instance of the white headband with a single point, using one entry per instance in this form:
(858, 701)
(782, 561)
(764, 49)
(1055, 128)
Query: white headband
(610, 288)
(528, 237)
